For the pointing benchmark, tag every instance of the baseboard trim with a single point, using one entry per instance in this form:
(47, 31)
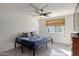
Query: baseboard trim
(62, 43)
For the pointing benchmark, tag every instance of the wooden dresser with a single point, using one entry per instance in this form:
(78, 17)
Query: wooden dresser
(75, 46)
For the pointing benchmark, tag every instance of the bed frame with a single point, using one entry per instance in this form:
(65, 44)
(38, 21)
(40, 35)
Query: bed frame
(51, 40)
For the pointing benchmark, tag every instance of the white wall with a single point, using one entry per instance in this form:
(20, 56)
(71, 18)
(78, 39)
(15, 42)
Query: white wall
(11, 24)
(59, 37)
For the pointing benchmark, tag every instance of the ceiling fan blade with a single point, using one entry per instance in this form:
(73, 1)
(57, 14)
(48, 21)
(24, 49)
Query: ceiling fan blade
(47, 16)
(34, 7)
(34, 15)
(48, 13)
(37, 12)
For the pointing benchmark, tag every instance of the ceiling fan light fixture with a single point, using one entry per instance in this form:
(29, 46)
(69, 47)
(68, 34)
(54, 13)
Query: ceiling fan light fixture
(41, 16)
(41, 11)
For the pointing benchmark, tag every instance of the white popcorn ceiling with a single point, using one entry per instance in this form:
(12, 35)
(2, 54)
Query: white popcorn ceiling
(58, 9)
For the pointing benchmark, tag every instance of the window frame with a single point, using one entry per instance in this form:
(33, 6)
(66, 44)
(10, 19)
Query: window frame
(62, 30)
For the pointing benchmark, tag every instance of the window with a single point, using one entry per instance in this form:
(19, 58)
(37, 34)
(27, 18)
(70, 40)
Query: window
(55, 25)
(53, 29)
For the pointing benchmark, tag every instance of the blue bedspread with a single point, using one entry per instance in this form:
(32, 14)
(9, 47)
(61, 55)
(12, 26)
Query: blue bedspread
(33, 42)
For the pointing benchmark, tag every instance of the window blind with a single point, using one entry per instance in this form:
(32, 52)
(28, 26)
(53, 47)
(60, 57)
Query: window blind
(55, 22)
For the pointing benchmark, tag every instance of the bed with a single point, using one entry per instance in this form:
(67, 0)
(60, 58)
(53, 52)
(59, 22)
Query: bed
(34, 42)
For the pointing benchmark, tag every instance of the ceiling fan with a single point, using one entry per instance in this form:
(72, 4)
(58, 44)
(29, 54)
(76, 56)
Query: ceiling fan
(41, 12)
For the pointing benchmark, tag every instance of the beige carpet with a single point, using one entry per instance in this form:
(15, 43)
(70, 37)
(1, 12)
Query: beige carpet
(51, 51)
